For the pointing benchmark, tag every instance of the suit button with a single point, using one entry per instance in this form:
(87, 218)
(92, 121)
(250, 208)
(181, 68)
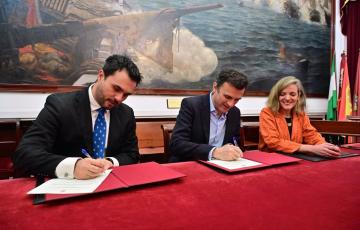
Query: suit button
(66, 175)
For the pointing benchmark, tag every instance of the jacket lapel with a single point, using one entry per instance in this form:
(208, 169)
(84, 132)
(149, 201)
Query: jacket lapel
(82, 105)
(205, 114)
(114, 127)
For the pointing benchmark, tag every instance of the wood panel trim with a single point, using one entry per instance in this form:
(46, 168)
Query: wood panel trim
(346, 128)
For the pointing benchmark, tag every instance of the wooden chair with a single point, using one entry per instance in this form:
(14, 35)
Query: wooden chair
(167, 132)
(10, 135)
(150, 141)
(249, 135)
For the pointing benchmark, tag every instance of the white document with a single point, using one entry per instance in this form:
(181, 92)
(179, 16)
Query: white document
(70, 186)
(239, 163)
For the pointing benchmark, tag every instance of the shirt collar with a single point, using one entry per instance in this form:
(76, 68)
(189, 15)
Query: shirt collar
(212, 107)
(93, 103)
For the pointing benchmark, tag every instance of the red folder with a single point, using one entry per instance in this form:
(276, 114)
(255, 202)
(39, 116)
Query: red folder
(266, 159)
(123, 177)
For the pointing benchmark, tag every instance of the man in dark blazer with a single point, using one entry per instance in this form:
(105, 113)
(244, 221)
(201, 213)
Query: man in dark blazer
(208, 126)
(57, 142)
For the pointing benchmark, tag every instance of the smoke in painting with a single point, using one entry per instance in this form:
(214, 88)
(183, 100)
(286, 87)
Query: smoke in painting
(176, 44)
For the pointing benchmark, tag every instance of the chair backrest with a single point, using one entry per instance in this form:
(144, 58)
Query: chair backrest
(167, 132)
(150, 141)
(9, 139)
(249, 135)
(149, 134)
(345, 128)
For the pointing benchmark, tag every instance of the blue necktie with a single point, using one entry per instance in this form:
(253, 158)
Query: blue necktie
(99, 134)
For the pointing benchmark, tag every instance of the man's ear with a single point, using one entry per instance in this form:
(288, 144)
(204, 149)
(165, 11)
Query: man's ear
(214, 86)
(101, 75)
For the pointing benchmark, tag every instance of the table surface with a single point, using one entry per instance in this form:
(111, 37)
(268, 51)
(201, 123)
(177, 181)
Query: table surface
(304, 195)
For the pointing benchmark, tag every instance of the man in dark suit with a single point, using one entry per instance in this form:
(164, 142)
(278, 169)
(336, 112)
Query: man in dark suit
(207, 124)
(56, 144)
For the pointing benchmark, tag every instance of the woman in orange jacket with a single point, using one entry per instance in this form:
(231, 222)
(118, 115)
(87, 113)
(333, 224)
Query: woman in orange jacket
(284, 125)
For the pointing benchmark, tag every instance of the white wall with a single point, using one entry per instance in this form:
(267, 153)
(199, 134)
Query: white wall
(28, 105)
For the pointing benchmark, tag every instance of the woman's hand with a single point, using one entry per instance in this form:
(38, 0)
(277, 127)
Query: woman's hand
(326, 150)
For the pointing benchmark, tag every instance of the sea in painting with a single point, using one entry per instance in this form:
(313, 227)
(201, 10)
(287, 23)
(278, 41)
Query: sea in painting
(258, 38)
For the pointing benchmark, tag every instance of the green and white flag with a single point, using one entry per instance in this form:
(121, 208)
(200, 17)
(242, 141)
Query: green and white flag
(332, 98)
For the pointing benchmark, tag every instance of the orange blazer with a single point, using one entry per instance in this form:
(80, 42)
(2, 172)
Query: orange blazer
(274, 133)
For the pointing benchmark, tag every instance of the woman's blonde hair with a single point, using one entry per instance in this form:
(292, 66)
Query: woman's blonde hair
(273, 99)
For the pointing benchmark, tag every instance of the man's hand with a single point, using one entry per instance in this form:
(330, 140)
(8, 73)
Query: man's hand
(88, 168)
(227, 153)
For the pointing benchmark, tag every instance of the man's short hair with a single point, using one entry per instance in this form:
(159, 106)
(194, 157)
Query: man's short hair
(233, 77)
(119, 62)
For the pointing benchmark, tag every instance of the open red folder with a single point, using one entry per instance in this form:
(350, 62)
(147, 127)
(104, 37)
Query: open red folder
(123, 177)
(264, 159)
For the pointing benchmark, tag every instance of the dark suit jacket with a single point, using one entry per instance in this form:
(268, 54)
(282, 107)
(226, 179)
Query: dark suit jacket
(190, 137)
(64, 127)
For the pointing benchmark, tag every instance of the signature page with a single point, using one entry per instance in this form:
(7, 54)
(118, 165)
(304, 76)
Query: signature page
(239, 163)
(69, 186)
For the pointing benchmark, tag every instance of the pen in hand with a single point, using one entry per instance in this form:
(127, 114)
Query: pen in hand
(235, 142)
(88, 167)
(237, 145)
(85, 153)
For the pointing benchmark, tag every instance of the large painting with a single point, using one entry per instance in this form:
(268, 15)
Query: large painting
(176, 44)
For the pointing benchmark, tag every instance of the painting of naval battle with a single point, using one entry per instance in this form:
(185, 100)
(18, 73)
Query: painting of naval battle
(180, 44)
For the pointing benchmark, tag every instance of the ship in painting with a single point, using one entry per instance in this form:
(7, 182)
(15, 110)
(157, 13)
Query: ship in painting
(58, 41)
